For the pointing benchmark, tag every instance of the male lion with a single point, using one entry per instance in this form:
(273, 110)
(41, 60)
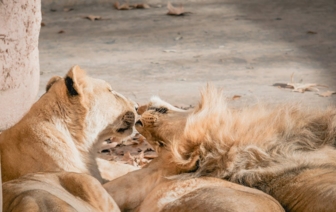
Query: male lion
(64, 127)
(286, 151)
(149, 190)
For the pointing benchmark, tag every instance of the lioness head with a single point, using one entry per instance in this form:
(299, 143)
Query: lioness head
(65, 127)
(92, 106)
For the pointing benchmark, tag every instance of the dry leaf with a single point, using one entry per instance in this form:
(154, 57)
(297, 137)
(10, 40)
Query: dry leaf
(176, 11)
(311, 32)
(301, 88)
(126, 6)
(133, 150)
(141, 6)
(327, 93)
(141, 161)
(68, 9)
(61, 32)
(129, 159)
(137, 161)
(235, 97)
(141, 156)
(130, 141)
(133, 140)
(123, 6)
(93, 17)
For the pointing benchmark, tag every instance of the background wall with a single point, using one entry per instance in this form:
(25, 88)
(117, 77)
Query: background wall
(19, 58)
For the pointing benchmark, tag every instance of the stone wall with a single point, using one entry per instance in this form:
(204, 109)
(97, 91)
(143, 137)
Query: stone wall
(20, 23)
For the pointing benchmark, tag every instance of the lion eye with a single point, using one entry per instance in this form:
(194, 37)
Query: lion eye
(161, 110)
(160, 144)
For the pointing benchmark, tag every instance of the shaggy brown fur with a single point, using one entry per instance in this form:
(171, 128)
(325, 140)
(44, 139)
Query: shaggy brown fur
(284, 151)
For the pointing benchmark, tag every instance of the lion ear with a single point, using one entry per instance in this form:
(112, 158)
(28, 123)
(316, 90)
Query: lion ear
(74, 80)
(141, 109)
(52, 81)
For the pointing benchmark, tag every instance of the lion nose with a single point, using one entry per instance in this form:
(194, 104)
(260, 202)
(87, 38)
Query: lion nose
(129, 117)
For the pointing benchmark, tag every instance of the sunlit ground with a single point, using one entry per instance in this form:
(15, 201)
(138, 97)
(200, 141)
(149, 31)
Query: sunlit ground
(243, 46)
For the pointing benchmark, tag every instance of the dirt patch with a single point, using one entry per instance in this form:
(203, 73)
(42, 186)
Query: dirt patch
(242, 46)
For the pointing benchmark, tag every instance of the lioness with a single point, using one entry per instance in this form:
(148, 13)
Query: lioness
(57, 192)
(64, 127)
(286, 151)
(152, 191)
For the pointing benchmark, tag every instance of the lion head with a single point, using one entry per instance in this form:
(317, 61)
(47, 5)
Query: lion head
(64, 128)
(161, 122)
(94, 105)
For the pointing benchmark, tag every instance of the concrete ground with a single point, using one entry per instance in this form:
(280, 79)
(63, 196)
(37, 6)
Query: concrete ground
(242, 46)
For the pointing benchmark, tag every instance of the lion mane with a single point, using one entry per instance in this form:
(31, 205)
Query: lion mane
(287, 151)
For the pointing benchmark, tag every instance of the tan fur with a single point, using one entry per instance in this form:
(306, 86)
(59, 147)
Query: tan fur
(160, 124)
(287, 151)
(130, 190)
(58, 192)
(207, 194)
(111, 170)
(63, 129)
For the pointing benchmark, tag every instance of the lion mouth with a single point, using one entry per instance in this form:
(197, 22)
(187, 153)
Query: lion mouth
(139, 123)
(122, 130)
